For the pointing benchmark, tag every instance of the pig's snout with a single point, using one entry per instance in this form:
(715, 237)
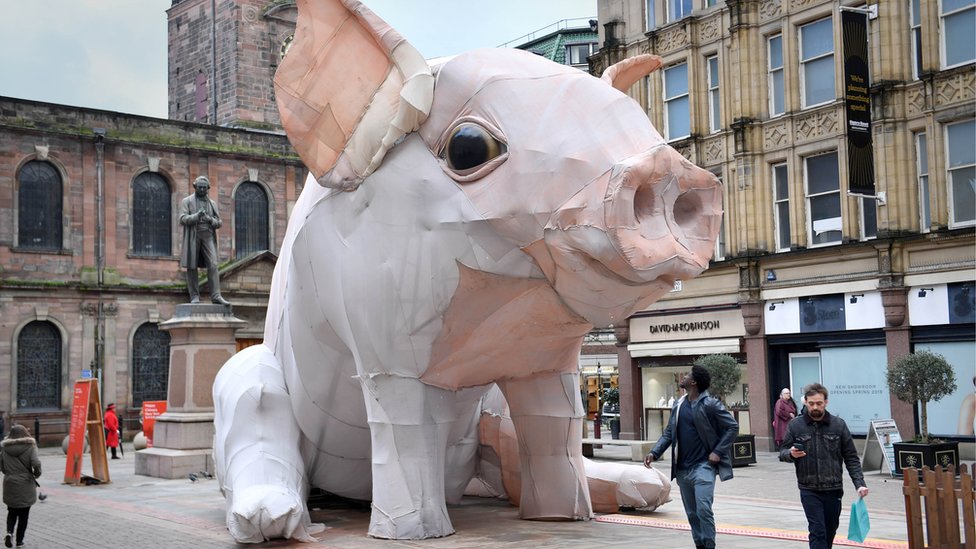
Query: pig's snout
(663, 215)
(623, 240)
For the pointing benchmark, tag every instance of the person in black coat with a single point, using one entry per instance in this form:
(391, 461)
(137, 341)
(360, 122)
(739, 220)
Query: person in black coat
(819, 444)
(20, 467)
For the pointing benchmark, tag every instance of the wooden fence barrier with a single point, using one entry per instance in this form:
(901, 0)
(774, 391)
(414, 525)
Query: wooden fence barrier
(943, 494)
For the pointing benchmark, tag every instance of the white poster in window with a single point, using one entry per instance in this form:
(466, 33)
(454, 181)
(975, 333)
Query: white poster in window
(827, 225)
(953, 415)
(855, 380)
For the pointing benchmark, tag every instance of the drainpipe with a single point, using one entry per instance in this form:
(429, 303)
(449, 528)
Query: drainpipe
(99, 361)
(213, 58)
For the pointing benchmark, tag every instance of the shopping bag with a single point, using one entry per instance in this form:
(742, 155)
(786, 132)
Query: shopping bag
(860, 523)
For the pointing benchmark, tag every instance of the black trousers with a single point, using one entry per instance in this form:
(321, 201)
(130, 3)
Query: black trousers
(823, 515)
(18, 516)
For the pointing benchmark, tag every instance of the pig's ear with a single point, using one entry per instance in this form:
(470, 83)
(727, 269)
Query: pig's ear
(622, 75)
(348, 89)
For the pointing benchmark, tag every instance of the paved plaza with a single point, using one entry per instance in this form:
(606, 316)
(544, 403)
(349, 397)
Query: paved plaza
(759, 508)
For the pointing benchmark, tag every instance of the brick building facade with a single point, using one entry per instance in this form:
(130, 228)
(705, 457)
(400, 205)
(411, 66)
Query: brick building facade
(89, 231)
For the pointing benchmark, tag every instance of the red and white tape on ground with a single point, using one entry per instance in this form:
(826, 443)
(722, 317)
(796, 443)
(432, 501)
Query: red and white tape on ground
(751, 531)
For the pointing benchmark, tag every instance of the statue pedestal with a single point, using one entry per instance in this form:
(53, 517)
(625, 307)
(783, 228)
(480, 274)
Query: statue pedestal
(201, 341)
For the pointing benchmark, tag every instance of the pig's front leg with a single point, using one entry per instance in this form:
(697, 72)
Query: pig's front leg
(548, 417)
(409, 424)
(256, 449)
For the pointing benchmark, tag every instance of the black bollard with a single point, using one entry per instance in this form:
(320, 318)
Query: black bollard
(37, 429)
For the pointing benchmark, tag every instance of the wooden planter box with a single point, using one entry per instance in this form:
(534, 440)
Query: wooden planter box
(913, 454)
(743, 450)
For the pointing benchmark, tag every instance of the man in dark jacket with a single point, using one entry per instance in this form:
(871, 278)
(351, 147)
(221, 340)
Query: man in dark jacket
(702, 431)
(817, 443)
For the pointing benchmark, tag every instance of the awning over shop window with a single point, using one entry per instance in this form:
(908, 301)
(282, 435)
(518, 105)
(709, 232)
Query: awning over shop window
(683, 348)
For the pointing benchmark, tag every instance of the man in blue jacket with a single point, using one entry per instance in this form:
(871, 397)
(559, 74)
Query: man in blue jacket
(702, 431)
(817, 443)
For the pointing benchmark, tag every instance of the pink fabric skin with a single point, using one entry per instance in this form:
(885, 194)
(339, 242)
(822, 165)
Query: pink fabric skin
(608, 211)
(611, 485)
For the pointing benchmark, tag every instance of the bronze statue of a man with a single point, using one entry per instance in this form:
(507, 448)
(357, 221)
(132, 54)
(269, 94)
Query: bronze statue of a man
(200, 220)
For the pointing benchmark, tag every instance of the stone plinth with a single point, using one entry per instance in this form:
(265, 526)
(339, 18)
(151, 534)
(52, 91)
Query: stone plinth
(201, 341)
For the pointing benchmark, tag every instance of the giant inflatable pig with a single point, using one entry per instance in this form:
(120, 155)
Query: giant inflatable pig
(462, 225)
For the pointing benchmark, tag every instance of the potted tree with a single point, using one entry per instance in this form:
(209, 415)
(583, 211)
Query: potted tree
(726, 374)
(919, 378)
(611, 406)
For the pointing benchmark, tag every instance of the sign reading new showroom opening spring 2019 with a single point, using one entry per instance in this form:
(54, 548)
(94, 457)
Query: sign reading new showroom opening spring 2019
(857, 98)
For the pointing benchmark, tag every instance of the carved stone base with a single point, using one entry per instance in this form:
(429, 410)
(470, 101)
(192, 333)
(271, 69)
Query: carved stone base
(184, 431)
(167, 463)
(201, 341)
(183, 445)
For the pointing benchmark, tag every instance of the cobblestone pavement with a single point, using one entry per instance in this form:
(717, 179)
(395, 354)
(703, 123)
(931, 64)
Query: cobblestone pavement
(144, 512)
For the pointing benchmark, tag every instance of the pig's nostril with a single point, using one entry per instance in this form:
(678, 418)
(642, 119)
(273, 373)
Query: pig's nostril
(687, 209)
(644, 203)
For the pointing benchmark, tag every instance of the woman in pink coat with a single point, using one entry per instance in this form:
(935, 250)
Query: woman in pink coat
(784, 411)
(112, 429)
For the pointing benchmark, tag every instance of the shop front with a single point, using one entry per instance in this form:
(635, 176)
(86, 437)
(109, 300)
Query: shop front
(943, 320)
(664, 346)
(837, 340)
(842, 341)
(598, 378)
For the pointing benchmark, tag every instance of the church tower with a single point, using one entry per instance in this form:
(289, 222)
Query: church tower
(221, 68)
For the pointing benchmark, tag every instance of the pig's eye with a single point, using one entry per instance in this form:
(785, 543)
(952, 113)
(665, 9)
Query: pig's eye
(470, 146)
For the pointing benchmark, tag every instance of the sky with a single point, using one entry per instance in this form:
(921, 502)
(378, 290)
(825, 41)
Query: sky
(111, 54)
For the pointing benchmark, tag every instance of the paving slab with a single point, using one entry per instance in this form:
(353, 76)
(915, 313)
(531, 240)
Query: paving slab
(758, 509)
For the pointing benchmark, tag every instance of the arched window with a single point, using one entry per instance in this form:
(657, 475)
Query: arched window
(250, 219)
(39, 207)
(39, 366)
(151, 215)
(150, 364)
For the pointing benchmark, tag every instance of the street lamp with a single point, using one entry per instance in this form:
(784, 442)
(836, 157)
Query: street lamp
(599, 404)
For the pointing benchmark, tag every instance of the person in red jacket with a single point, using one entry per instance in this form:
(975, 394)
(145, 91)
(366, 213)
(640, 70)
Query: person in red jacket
(112, 430)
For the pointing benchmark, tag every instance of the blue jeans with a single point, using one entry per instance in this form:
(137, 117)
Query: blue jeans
(697, 486)
(823, 515)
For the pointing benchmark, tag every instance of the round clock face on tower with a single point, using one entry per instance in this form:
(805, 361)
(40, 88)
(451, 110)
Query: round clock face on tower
(285, 44)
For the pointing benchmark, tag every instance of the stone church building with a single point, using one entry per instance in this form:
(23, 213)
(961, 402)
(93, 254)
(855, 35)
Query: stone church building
(89, 231)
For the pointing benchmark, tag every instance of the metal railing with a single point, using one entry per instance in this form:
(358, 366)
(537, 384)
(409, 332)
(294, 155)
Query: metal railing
(562, 24)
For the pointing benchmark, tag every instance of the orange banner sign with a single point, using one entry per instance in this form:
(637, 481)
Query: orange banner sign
(151, 409)
(76, 433)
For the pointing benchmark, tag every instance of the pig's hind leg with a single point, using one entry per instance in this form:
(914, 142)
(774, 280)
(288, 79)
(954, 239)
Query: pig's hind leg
(256, 449)
(410, 425)
(548, 415)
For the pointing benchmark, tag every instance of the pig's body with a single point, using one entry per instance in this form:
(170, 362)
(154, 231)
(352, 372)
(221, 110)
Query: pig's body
(397, 304)
(351, 329)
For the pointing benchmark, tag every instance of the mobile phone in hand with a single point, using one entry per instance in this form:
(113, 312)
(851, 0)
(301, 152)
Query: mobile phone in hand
(799, 446)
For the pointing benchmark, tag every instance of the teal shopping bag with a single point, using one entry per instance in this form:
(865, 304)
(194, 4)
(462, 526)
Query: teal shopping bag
(860, 523)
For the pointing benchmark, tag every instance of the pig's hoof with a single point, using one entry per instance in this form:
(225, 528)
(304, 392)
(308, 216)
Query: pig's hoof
(266, 512)
(417, 524)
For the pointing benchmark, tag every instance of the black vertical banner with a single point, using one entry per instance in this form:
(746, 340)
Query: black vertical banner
(857, 98)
